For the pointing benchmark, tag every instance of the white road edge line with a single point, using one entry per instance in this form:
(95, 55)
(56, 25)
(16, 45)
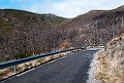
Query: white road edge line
(26, 72)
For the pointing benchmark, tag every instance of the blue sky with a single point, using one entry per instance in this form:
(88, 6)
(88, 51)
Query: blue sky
(64, 8)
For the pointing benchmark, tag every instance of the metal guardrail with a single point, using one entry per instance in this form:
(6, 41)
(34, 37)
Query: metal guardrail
(20, 61)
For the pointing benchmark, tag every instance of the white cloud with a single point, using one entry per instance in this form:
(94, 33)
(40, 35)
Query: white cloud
(72, 8)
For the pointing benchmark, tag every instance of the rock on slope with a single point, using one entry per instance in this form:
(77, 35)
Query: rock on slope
(109, 62)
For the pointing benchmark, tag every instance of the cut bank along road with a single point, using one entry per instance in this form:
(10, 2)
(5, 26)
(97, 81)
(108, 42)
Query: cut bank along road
(71, 69)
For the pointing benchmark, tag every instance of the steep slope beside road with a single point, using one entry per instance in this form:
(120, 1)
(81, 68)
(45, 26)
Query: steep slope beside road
(109, 63)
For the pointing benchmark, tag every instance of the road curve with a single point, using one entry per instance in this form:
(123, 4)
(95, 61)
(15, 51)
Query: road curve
(71, 69)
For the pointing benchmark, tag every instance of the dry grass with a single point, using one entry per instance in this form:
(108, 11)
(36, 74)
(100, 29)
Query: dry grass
(109, 63)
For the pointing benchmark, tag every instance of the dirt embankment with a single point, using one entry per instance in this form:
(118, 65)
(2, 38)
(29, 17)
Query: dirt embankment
(108, 64)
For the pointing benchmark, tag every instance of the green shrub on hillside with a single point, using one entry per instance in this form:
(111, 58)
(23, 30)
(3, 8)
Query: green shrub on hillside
(26, 54)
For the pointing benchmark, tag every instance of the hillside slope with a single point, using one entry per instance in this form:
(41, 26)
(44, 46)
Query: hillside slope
(95, 27)
(109, 62)
(24, 33)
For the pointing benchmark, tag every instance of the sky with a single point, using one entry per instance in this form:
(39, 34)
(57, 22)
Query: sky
(63, 8)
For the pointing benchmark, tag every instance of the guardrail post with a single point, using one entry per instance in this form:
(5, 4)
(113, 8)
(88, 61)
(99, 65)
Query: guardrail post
(14, 68)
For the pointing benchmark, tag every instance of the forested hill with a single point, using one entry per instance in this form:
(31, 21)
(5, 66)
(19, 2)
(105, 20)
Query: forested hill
(96, 27)
(23, 18)
(24, 33)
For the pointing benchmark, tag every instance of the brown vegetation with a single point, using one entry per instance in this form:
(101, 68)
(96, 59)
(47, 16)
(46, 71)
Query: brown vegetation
(109, 64)
(23, 34)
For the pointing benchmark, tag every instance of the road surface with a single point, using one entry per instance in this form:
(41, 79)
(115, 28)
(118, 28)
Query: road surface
(70, 69)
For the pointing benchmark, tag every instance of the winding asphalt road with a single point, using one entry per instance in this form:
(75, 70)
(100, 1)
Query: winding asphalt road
(70, 69)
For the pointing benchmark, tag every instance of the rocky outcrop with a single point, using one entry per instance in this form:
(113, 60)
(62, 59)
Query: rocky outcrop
(109, 62)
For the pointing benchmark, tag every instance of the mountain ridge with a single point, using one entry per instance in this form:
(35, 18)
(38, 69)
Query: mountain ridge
(100, 21)
(24, 34)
